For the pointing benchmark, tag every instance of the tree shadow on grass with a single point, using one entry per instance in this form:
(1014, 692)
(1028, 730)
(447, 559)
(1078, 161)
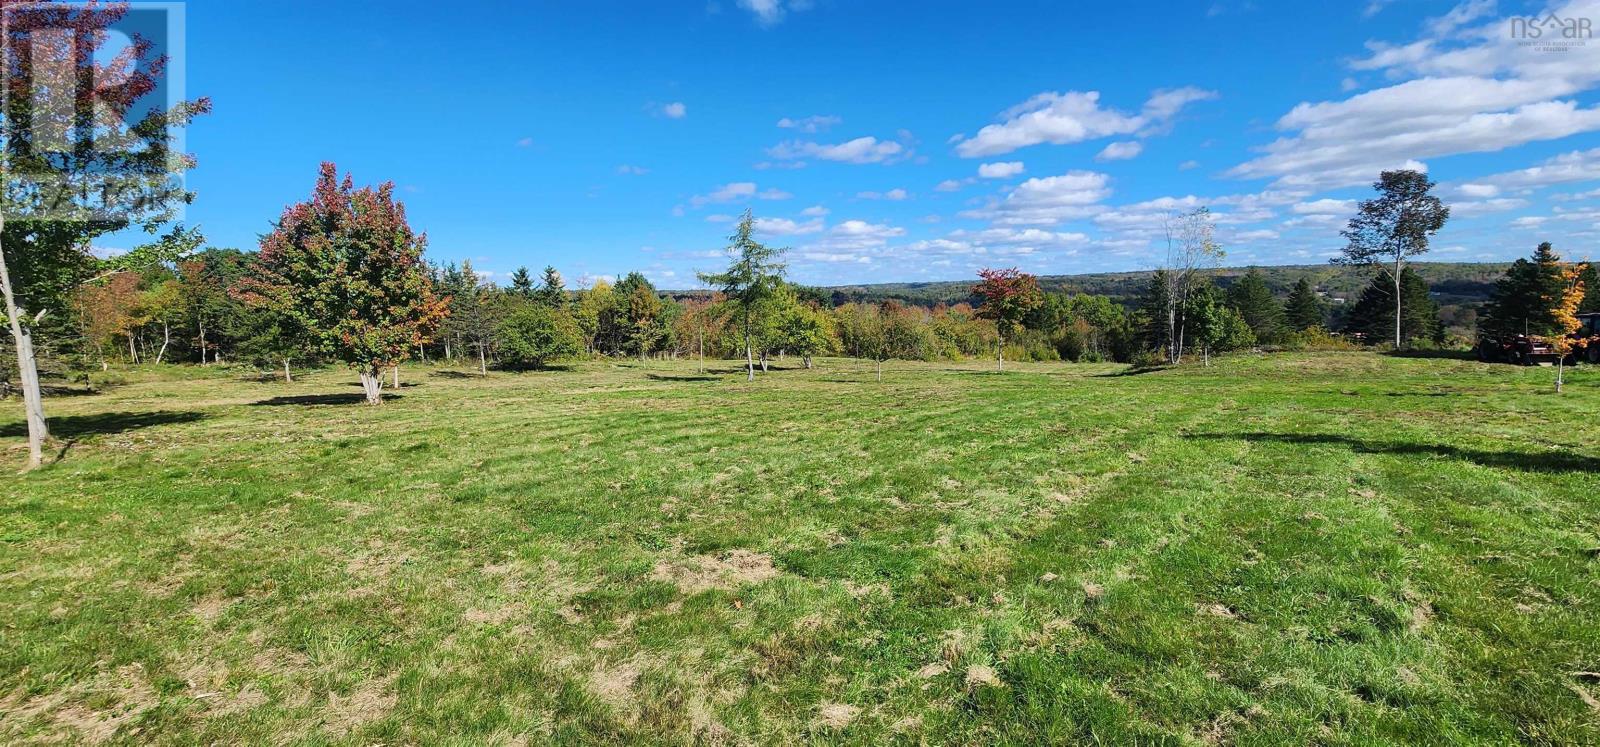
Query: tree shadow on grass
(1550, 461)
(1130, 371)
(1453, 355)
(449, 375)
(683, 377)
(320, 400)
(72, 427)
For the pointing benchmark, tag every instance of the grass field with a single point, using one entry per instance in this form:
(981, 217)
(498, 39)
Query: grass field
(1308, 548)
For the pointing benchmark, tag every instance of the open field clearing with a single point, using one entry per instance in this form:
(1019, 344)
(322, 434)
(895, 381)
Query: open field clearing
(1305, 548)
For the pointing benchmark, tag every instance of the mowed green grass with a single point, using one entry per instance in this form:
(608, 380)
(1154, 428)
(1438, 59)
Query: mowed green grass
(1289, 549)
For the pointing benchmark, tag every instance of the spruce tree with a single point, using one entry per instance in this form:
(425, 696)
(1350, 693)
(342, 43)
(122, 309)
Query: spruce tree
(1254, 301)
(1303, 310)
(1373, 312)
(522, 282)
(552, 291)
(1154, 330)
(1524, 301)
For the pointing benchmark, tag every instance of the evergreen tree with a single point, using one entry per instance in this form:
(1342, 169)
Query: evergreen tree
(1154, 331)
(522, 282)
(753, 273)
(1373, 313)
(1303, 310)
(552, 291)
(1253, 301)
(1524, 301)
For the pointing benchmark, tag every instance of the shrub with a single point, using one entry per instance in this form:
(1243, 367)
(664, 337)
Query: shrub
(534, 335)
(1317, 338)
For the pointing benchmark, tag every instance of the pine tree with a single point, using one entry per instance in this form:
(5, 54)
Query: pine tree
(522, 282)
(1303, 310)
(1523, 302)
(1253, 300)
(552, 291)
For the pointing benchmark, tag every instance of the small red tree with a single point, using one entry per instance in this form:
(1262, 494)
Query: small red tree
(1008, 296)
(347, 268)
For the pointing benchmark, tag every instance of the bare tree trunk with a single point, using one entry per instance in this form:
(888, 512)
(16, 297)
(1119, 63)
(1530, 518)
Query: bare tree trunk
(288, 377)
(397, 377)
(202, 323)
(1397, 268)
(808, 362)
(483, 362)
(700, 344)
(1000, 355)
(749, 355)
(1560, 363)
(166, 339)
(32, 397)
(133, 352)
(880, 369)
(763, 361)
(372, 384)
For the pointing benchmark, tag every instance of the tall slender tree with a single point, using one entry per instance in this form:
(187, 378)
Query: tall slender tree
(1191, 249)
(522, 282)
(754, 272)
(1393, 227)
(57, 145)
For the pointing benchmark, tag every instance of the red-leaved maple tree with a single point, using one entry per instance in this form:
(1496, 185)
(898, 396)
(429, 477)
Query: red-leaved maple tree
(1008, 295)
(348, 269)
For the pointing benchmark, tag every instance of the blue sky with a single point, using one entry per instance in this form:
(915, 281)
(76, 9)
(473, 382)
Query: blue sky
(894, 142)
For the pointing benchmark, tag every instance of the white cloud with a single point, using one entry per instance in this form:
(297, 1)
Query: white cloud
(859, 150)
(1478, 190)
(1071, 117)
(736, 191)
(1000, 170)
(1472, 208)
(786, 227)
(1575, 166)
(770, 13)
(895, 194)
(675, 110)
(818, 123)
(525, 142)
(631, 169)
(948, 185)
(1325, 207)
(815, 211)
(1187, 165)
(1048, 200)
(851, 241)
(1467, 86)
(1120, 151)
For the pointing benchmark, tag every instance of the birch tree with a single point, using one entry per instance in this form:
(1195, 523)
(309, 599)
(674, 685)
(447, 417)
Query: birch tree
(1393, 227)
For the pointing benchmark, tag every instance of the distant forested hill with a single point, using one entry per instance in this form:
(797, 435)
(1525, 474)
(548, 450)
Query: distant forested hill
(1465, 284)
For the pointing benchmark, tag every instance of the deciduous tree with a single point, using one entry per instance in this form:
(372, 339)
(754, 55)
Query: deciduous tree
(1008, 297)
(347, 268)
(1393, 227)
(46, 233)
